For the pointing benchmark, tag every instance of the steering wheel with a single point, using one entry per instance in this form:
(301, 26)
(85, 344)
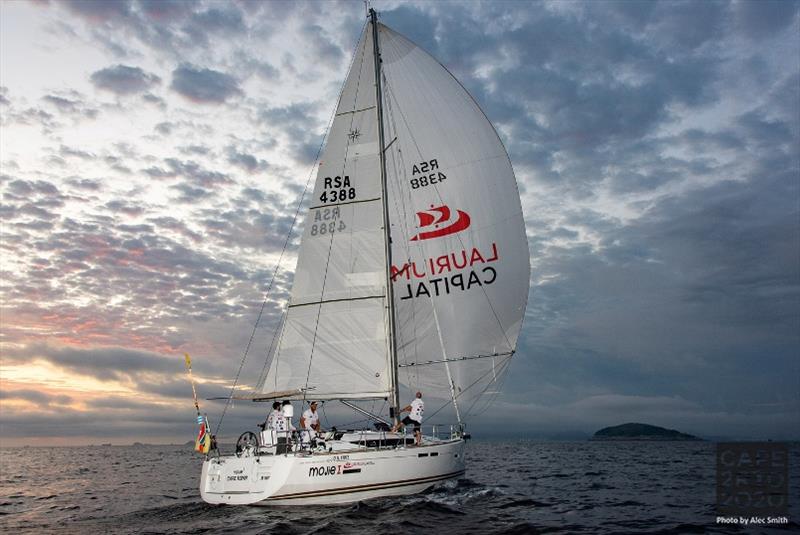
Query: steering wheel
(247, 440)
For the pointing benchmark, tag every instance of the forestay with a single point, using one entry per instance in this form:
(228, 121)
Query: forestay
(459, 250)
(334, 338)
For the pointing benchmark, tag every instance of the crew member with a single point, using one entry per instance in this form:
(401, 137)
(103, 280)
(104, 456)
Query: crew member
(415, 410)
(271, 425)
(309, 423)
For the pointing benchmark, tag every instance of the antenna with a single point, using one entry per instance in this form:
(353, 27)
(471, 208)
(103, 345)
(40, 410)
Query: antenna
(366, 7)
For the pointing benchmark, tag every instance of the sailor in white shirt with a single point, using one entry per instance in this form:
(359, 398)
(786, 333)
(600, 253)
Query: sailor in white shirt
(274, 424)
(309, 423)
(415, 410)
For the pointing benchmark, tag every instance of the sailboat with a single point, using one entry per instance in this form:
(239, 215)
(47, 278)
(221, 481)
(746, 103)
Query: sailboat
(413, 272)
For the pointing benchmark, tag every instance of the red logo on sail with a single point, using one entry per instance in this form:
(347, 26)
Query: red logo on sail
(438, 215)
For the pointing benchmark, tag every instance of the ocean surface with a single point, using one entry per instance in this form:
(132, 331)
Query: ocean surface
(512, 487)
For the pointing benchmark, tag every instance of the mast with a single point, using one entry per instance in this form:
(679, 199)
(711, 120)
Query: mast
(394, 405)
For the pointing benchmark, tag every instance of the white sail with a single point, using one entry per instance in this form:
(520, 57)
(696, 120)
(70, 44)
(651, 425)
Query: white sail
(334, 338)
(459, 251)
(460, 265)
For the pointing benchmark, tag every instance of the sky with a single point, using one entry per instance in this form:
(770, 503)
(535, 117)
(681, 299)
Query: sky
(153, 153)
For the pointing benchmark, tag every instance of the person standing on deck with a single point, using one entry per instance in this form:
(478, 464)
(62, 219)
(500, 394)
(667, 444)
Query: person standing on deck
(309, 423)
(415, 410)
(271, 425)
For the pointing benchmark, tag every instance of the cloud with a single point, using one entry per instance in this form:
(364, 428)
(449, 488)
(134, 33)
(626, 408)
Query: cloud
(245, 161)
(105, 364)
(124, 80)
(165, 10)
(35, 396)
(655, 146)
(97, 12)
(205, 86)
(164, 128)
(77, 153)
(759, 20)
(322, 47)
(221, 19)
(72, 104)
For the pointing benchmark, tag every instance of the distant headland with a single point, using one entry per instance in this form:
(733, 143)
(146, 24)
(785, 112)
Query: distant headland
(633, 431)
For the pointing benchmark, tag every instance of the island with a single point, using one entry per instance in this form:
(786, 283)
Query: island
(634, 431)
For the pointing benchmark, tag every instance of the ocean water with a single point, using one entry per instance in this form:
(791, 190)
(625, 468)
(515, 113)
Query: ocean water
(514, 487)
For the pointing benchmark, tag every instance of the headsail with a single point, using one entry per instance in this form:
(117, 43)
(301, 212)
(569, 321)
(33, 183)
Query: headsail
(334, 338)
(461, 265)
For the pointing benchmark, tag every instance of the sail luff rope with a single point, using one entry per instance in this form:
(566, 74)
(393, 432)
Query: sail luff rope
(280, 258)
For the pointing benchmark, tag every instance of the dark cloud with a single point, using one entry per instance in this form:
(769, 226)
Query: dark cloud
(299, 116)
(105, 364)
(199, 150)
(251, 227)
(189, 194)
(300, 125)
(77, 153)
(97, 12)
(165, 10)
(85, 184)
(127, 208)
(124, 80)
(26, 188)
(72, 105)
(158, 172)
(164, 128)
(35, 396)
(204, 85)
(223, 19)
(765, 18)
(196, 174)
(154, 99)
(323, 48)
(31, 116)
(246, 63)
(176, 226)
(245, 161)
(669, 300)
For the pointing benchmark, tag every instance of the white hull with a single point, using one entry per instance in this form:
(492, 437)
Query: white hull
(330, 478)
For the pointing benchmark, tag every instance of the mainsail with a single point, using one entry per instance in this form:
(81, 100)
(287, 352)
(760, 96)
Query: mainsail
(460, 266)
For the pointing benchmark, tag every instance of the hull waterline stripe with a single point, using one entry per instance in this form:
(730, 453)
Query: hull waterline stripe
(367, 488)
